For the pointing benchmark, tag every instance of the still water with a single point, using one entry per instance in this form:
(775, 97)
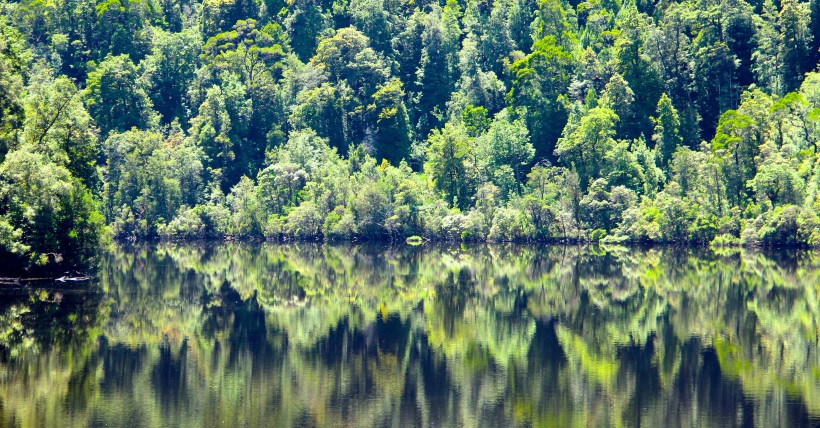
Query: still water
(319, 335)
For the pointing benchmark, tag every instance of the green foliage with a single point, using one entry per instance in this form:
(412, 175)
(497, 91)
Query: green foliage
(246, 50)
(115, 97)
(247, 215)
(667, 136)
(365, 119)
(57, 124)
(304, 22)
(585, 143)
(786, 225)
(169, 70)
(448, 154)
(638, 71)
(45, 209)
(122, 27)
(13, 66)
(538, 81)
(393, 132)
(147, 180)
(509, 225)
(506, 143)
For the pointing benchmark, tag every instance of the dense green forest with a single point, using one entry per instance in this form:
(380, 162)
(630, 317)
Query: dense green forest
(645, 121)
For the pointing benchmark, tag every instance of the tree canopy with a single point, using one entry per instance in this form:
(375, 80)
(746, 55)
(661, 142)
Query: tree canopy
(680, 121)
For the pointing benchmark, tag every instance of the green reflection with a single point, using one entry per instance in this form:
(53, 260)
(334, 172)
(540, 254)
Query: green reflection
(215, 335)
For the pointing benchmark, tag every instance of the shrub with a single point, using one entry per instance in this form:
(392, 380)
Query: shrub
(339, 224)
(304, 221)
(788, 225)
(510, 224)
(187, 224)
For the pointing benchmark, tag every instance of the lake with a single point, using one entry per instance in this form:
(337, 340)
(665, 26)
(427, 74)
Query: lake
(237, 334)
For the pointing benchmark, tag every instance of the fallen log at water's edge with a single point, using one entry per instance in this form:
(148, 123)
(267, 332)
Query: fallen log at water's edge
(24, 280)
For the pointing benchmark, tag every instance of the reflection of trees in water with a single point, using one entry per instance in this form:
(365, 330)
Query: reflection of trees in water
(321, 334)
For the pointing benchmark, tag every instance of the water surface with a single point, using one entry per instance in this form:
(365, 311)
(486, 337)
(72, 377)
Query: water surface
(321, 335)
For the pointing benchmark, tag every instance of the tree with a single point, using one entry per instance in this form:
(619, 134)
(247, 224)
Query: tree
(622, 168)
(247, 216)
(353, 66)
(407, 48)
(305, 23)
(348, 56)
(169, 70)
(448, 152)
(436, 73)
(220, 15)
(322, 109)
(476, 86)
(497, 41)
(619, 97)
(393, 132)
(637, 69)
(814, 6)
(552, 20)
(248, 61)
(57, 124)
(716, 84)
(796, 36)
(307, 150)
(520, 18)
(507, 143)
(45, 209)
(376, 19)
(222, 129)
(735, 143)
(776, 181)
(539, 79)
(115, 97)
(586, 143)
(247, 50)
(121, 28)
(279, 186)
(475, 120)
(12, 66)
(596, 209)
(667, 136)
(543, 202)
(212, 131)
(766, 58)
(670, 47)
(302, 118)
(148, 179)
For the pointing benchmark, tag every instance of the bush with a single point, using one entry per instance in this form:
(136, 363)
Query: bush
(304, 221)
(452, 226)
(187, 224)
(641, 223)
(371, 207)
(247, 212)
(339, 224)
(274, 227)
(788, 225)
(474, 227)
(510, 224)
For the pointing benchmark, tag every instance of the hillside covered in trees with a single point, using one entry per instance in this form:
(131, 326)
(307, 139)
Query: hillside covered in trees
(636, 121)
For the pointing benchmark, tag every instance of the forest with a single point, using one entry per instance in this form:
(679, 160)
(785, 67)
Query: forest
(633, 121)
(277, 331)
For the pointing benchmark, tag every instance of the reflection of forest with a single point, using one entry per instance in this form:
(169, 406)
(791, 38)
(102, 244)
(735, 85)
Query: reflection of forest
(373, 336)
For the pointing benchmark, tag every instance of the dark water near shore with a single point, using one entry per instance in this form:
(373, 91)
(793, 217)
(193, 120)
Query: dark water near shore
(319, 335)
